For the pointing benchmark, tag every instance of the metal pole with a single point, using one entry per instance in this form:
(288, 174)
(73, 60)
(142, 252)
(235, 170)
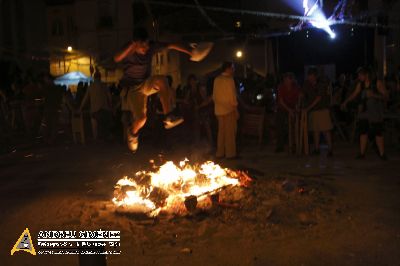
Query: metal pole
(266, 57)
(365, 48)
(384, 57)
(277, 55)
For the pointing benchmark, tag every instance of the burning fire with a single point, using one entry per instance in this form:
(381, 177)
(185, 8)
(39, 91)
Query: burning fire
(167, 188)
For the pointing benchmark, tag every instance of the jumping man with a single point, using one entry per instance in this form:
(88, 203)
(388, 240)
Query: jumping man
(136, 58)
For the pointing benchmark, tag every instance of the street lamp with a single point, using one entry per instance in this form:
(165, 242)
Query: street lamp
(69, 49)
(239, 53)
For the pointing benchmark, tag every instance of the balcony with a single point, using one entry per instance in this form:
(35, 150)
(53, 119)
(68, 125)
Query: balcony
(105, 22)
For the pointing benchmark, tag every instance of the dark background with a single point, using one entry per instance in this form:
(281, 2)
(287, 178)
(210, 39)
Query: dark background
(347, 51)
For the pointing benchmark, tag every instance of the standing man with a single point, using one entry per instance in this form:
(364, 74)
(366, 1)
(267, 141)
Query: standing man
(100, 107)
(317, 105)
(136, 58)
(224, 96)
(288, 98)
(52, 103)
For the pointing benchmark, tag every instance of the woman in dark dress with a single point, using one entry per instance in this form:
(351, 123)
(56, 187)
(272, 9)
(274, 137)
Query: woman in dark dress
(371, 107)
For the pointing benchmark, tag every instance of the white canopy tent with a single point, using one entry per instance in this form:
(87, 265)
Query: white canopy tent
(72, 78)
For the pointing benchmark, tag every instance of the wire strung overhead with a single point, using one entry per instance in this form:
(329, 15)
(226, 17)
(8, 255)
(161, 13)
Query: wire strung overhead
(210, 20)
(270, 14)
(339, 12)
(153, 19)
(317, 18)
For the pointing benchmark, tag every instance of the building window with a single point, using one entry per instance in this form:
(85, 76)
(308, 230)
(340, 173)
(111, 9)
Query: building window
(57, 28)
(70, 25)
(105, 22)
(104, 14)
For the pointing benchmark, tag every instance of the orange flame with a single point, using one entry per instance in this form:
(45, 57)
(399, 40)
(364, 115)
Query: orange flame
(174, 184)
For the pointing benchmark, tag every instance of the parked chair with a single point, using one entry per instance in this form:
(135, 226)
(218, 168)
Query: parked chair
(253, 123)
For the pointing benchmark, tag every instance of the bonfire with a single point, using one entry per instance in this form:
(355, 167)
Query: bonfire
(176, 189)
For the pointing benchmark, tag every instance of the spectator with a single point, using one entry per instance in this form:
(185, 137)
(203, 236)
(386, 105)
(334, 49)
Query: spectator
(3, 112)
(317, 105)
(340, 90)
(224, 96)
(287, 99)
(203, 113)
(172, 94)
(100, 107)
(53, 99)
(373, 95)
(16, 100)
(31, 111)
(189, 106)
(80, 93)
(393, 93)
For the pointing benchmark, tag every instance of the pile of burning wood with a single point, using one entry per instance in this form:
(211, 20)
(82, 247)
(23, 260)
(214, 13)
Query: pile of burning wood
(179, 189)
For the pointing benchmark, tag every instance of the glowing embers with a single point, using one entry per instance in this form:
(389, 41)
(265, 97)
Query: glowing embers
(176, 189)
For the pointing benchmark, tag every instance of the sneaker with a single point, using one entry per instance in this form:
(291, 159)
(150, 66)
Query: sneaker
(360, 156)
(172, 121)
(133, 143)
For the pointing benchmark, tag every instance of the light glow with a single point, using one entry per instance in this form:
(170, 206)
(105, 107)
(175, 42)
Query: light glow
(317, 18)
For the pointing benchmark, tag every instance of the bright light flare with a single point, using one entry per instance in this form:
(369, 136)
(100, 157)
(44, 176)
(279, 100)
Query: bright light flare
(69, 48)
(239, 54)
(318, 19)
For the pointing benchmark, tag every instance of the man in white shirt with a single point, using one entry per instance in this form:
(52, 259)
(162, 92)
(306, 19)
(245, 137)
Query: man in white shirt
(224, 96)
(100, 107)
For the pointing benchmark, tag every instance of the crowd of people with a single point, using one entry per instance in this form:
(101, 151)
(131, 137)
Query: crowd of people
(36, 107)
(362, 102)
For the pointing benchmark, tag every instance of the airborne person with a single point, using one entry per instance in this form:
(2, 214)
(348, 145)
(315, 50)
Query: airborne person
(136, 58)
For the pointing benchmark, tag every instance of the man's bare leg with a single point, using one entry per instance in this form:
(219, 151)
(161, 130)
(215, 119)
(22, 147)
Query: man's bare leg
(133, 133)
(380, 144)
(160, 83)
(138, 107)
(137, 125)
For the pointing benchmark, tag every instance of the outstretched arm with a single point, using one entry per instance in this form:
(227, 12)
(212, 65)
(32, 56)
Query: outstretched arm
(352, 96)
(130, 48)
(180, 48)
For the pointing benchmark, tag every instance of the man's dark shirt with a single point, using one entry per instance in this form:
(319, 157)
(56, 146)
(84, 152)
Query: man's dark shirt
(137, 67)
